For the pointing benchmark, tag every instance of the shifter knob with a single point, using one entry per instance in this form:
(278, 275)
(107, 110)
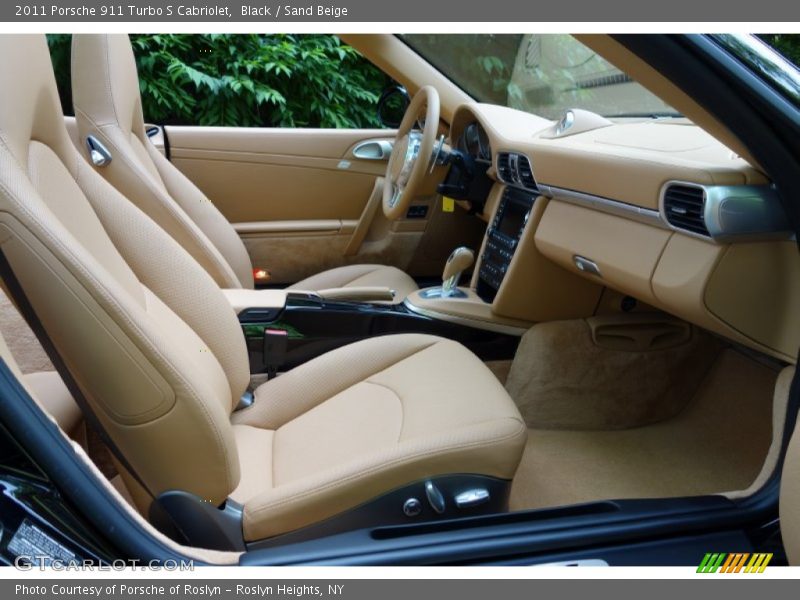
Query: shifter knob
(459, 261)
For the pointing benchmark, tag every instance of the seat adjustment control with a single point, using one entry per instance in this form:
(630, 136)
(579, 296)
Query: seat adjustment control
(435, 497)
(473, 497)
(412, 507)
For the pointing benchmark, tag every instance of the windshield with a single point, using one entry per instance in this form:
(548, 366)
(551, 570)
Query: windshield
(543, 74)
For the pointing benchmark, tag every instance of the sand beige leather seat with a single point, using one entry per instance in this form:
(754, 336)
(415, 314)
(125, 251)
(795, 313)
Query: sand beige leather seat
(159, 354)
(108, 105)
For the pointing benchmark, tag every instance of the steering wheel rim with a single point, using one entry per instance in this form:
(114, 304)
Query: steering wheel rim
(405, 170)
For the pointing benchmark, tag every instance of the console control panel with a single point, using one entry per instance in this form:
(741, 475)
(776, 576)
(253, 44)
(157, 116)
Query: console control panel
(502, 239)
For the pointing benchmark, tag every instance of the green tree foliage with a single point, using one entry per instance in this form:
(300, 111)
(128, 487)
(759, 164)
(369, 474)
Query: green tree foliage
(247, 80)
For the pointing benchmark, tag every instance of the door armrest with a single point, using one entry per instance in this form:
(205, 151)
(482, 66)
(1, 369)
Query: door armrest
(241, 300)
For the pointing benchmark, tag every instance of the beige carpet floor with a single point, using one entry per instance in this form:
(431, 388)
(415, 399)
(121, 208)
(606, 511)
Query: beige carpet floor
(716, 444)
(22, 342)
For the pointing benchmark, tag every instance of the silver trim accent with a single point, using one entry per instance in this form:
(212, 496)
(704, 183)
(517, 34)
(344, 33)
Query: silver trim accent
(441, 292)
(474, 323)
(579, 562)
(373, 150)
(435, 497)
(99, 155)
(640, 214)
(438, 157)
(585, 265)
(412, 507)
(473, 497)
(515, 184)
(566, 121)
(246, 400)
(765, 221)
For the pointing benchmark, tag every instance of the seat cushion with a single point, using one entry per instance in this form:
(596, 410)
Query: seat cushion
(365, 419)
(360, 276)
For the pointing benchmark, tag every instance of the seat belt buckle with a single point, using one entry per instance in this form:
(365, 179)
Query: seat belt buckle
(261, 275)
(275, 346)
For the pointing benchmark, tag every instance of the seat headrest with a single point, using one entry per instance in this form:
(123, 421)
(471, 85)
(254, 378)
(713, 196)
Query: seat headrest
(105, 83)
(31, 109)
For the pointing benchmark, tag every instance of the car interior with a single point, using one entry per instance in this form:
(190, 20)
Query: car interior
(260, 336)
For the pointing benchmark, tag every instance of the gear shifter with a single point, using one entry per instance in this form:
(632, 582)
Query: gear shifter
(459, 261)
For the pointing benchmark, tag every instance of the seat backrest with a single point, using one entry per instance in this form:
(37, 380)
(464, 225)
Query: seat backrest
(143, 329)
(108, 106)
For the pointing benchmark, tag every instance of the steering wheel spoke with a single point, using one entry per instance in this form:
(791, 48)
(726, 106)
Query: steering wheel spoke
(411, 153)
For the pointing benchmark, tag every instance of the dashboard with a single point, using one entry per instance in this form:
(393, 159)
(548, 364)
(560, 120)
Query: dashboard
(656, 210)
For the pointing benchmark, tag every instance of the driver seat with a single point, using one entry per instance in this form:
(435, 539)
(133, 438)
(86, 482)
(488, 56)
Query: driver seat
(108, 106)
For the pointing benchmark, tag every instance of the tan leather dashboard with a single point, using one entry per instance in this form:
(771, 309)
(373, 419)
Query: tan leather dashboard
(629, 161)
(604, 187)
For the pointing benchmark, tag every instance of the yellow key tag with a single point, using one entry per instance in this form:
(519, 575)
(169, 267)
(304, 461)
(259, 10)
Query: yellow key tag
(448, 204)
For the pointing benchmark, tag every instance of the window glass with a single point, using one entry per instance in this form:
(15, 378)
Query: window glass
(543, 74)
(252, 80)
(774, 58)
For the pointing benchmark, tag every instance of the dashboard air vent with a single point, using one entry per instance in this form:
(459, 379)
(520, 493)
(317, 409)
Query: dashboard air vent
(525, 173)
(684, 207)
(504, 166)
(515, 169)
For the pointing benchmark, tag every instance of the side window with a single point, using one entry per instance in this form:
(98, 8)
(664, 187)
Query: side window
(59, 44)
(252, 80)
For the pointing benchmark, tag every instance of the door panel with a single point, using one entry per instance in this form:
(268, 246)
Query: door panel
(264, 174)
(301, 199)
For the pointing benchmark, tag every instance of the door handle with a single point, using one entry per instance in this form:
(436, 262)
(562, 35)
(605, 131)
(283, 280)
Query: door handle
(639, 332)
(373, 150)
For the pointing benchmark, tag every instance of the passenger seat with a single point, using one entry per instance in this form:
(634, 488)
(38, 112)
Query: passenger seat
(390, 429)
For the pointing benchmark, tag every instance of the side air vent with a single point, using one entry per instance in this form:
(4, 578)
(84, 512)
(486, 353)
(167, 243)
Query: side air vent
(684, 207)
(504, 166)
(515, 169)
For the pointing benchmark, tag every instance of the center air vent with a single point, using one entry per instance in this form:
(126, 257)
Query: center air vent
(684, 207)
(515, 169)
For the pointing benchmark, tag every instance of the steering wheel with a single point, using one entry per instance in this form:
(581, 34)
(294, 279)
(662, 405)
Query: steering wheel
(411, 154)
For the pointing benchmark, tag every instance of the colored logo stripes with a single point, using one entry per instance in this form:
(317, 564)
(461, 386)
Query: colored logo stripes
(737, 562)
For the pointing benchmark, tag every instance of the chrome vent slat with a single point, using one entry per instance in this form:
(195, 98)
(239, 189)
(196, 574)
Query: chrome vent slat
(684, 208)
(516, 169)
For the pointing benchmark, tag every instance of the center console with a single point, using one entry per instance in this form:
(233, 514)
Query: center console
(293, 327)
(307, 325)
(502, 239)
